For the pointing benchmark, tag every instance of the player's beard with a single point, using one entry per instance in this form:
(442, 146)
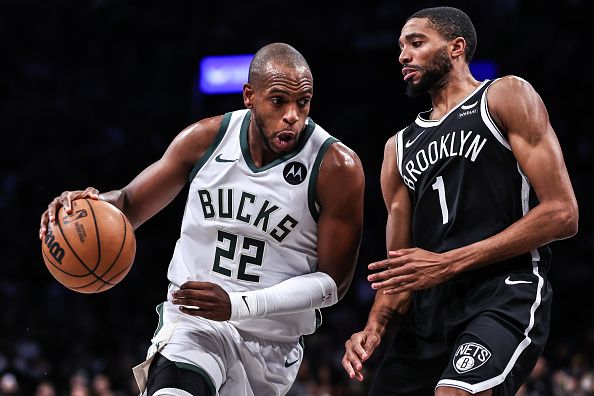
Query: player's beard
(262, 131)
(434, 76)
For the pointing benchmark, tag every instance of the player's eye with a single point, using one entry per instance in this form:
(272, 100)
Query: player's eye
(416, 44)
(304, 102)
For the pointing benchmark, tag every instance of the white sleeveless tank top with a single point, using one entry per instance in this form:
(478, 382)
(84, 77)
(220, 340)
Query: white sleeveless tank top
(248, 228)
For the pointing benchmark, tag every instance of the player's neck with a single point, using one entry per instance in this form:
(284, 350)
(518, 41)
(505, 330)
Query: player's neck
(457, 87)
(261, 154)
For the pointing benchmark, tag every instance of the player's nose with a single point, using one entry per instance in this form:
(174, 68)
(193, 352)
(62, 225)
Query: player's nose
(404, 56)
(291, 114)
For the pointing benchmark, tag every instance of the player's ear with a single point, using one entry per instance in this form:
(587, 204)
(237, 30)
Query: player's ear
(248, 95)
(457, 47)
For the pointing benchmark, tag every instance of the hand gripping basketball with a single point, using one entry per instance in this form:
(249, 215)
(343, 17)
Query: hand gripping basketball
(90, 249)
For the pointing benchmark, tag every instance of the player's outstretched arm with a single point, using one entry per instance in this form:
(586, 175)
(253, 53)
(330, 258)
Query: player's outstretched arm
(360, 346)
(156, 186)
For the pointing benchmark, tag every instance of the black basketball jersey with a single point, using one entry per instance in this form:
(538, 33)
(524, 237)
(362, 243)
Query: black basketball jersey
(464, 182)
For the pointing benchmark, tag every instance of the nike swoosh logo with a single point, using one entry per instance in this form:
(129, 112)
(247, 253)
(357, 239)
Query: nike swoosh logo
(289, 364)
(219, 159)
(508, 281)
(244, 298)
(409, 143)
(470, 106)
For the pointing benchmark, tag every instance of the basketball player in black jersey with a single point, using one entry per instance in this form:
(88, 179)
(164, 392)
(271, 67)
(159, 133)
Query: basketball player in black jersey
(475, 190)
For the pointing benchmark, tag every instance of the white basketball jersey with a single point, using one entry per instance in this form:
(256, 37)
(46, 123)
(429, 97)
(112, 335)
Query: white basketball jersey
(248, 228)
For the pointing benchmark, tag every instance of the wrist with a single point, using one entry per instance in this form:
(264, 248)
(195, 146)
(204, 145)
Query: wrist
(297, 294)
(461, 260)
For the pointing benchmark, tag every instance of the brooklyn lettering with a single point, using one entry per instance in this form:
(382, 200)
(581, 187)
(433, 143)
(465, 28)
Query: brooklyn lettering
(454, 144)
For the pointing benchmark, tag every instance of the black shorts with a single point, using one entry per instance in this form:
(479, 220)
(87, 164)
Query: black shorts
(475, 332)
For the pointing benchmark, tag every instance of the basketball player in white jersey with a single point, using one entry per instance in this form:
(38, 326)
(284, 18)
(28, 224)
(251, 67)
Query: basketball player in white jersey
(270, 234)
(475, 189)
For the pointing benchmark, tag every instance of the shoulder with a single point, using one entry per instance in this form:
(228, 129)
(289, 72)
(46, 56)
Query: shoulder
(511, 99)
(509, 88)
(194, 140)
(341, 159)
(203, 131)
(390, 146)
(341, 182)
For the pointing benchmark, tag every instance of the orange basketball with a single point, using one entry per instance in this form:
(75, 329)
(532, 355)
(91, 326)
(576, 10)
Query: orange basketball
(90, 250)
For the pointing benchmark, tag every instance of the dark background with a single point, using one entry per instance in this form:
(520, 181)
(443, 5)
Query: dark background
(93, 91)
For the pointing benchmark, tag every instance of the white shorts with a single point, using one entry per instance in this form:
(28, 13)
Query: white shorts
(235, 362)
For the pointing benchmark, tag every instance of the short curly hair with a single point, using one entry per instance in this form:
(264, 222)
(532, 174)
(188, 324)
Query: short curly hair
(451, 22)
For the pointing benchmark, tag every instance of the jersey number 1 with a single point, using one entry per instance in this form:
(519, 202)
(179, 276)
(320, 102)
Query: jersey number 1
(440, 187)
(244, 259)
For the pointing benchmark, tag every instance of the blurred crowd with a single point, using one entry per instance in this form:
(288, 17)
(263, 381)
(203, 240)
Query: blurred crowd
(93, 91)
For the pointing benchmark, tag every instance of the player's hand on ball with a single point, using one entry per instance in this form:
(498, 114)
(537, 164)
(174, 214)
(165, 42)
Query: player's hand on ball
(64, 200)
(204, 299)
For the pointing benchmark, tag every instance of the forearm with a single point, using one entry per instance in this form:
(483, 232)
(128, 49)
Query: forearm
(296, 294)
(387, 310)
(541, 225)
(115, 197)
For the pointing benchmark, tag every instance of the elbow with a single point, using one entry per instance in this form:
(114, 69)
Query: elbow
(567, 221)
(342, 288)
(341, 291)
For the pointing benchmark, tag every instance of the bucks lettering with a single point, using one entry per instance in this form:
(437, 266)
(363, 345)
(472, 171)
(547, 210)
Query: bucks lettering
(249, 210)
(462, 143)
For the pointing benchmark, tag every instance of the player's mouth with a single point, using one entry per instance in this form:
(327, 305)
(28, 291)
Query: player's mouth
(409, 72)
(284, 140)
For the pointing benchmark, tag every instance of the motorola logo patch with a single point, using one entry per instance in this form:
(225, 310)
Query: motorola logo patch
(295, 173)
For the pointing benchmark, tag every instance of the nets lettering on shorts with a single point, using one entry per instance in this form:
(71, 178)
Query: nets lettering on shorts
(470, 356)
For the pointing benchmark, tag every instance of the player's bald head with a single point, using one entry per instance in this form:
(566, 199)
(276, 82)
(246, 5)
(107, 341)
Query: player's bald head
(273, 56)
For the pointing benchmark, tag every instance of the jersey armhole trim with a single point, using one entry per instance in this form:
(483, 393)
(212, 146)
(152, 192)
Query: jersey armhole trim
(399, 150)
(213, 146)
(159, 310)
(490, 122)
(313, 179)
(190, 367)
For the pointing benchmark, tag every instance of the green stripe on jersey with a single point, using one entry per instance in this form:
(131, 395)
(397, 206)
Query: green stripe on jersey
(160, 313)
(212, 147)
(313, 178)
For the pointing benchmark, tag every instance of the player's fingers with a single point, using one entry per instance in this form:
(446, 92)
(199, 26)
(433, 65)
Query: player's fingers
(370, 344)
(67, 202)
(346, 364)
(352, 356)
(390, 276)
(51, 209)
(194, 311)
(359, 376)
(43, 225)
(199, 292)
(392, 262)
(379, 264)
(91, 192)
(398, 281)
(196, 285)
(401, 252)
(405, 285)
(360, 351)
